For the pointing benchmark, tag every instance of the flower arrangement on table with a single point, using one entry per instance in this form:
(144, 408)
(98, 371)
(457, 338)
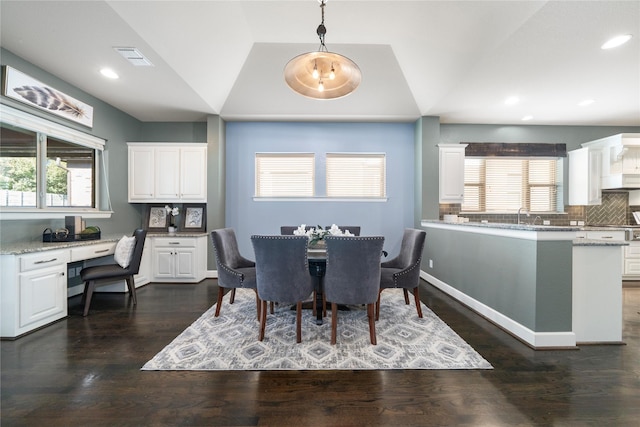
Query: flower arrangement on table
(316, 235)
(172, 212)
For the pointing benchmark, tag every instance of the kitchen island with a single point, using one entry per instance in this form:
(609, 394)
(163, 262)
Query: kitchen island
(521, 277)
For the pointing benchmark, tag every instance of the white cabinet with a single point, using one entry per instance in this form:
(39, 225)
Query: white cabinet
(632, 261)
(585, 176)
(167, 173)
(620, 160)
(451, 168)
(179, 259)
(34, 291)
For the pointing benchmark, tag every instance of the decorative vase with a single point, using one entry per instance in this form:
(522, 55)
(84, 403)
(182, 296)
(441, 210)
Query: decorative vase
(172, 229)
(318, 244)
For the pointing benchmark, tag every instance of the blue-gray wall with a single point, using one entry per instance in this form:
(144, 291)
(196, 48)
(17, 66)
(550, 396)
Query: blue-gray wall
(247, 216)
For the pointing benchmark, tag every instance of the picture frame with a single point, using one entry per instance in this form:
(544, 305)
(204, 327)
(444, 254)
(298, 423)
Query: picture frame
(157, 218)
(23, 88)
(195, 217)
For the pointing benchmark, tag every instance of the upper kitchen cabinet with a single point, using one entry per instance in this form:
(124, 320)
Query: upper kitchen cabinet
(585, 176)
(167, 172)
(451, 164)
(620, 160)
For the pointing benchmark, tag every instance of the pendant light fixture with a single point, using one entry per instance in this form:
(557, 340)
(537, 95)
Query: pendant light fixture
(322, 74)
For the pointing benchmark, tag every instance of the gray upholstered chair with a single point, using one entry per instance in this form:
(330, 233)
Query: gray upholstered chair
(287, 230)
(282, 274)
(234, 271)
(353, 276)
(403, 271)
(105, 274)
(353, 229)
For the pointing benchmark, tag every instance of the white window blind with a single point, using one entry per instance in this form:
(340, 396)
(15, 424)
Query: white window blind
(356, 175)
(508, 184)
(285, 174)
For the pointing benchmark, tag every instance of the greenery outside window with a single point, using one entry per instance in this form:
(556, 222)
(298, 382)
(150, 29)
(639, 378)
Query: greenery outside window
(506, 184)
(48, 170)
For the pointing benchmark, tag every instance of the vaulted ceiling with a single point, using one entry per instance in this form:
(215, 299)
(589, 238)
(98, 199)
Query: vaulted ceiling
(458, 60)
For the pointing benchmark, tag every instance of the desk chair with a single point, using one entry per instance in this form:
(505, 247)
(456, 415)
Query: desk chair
(105, 274)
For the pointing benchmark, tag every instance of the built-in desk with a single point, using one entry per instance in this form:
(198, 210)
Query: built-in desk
(33, 290)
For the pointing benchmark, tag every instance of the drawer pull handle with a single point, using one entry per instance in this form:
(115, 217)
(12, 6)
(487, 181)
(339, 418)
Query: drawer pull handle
(607, 237)
(100, 251)
(44, 261)
(174, 243)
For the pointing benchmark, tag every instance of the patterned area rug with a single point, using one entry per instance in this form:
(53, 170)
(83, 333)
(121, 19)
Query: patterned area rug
(230, 341)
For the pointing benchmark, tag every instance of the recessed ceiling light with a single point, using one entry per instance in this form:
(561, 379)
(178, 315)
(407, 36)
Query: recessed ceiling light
(512, 100)
(109, 73)
(586, 102)
(616, 41)
(527, 118)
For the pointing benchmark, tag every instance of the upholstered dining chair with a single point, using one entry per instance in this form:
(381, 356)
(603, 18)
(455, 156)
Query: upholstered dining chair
(287, 230)
(403, 271)
(353, 229)
(234, 270)
(353, 276)
(282, 275)
(126, 267)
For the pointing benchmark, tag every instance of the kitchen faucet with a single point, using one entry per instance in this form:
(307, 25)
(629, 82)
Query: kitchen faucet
(525, 211)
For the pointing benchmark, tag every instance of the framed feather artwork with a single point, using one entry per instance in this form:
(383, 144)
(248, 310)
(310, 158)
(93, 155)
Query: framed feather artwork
(30, 91)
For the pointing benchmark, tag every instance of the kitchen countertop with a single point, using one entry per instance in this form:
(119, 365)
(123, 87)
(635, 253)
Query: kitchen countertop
(507, 226)
(20, 248)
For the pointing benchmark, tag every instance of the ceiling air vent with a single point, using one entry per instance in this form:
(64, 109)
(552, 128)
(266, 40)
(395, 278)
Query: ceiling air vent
(134, 56)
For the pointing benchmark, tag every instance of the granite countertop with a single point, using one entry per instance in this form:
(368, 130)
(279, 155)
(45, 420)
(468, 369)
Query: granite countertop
(507, 226)
(26, 247)
(595, 242)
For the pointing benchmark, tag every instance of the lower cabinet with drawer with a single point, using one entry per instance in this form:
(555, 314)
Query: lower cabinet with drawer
(34, 291)
(179, 259)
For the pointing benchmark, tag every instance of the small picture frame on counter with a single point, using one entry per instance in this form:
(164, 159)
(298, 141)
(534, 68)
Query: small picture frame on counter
(195, 217)
(156, 218)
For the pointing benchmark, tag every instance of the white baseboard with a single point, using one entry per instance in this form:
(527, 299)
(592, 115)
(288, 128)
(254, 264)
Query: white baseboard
(537, 340)
(212, 274)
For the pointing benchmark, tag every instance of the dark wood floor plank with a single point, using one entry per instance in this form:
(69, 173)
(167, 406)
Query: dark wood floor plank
(86, 371)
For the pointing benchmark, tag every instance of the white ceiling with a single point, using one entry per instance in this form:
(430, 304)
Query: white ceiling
(455, 59)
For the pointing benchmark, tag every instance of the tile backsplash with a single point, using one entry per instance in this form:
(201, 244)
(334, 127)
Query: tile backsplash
(614, 210)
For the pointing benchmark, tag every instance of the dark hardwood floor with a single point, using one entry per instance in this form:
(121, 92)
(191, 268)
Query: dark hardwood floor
(86, 372)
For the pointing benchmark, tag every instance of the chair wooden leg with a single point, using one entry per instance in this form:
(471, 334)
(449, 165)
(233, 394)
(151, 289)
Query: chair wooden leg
(372, 324)
(406, 296)
(90, 286)
(416, 295)
(131, 284)
(378, 305)
(315, 300)
(299, 322)
(263, 319)
(334, 322)
(232, 298)
(271, 306)
(219, 302)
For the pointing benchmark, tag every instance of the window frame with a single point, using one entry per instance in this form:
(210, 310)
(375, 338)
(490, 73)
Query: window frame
(44, 129)
(525, 185)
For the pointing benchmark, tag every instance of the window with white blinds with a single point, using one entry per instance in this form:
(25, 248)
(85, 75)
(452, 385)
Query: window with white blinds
(504, 185)
(285, 174)
(356, 175)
